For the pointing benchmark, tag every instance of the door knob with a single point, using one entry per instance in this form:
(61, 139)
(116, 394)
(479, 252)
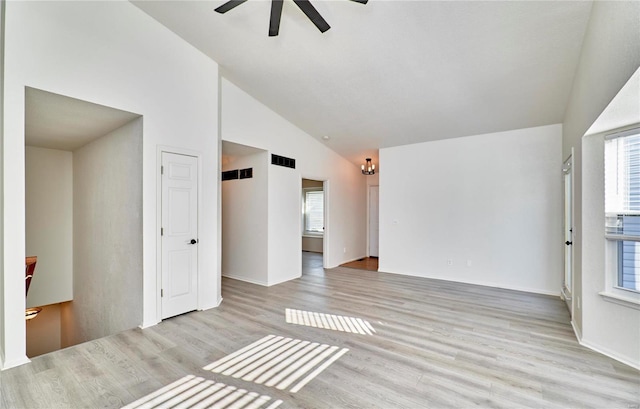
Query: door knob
(568, 243)
(193, 241)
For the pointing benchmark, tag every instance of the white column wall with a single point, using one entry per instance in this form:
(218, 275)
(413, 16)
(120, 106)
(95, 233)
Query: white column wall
(107, 235)
(285, 246)
(110, 53)
(244, 220)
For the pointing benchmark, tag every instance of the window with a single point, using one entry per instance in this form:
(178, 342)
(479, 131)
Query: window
(313, 211)
(622, 208)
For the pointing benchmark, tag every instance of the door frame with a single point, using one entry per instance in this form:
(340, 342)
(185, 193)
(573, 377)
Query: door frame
(325, 236)
(568, 265)
(369, 219)
(158, 285)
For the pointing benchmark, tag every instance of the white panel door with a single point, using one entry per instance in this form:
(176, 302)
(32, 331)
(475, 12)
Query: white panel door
(179, 234)
(374, 224)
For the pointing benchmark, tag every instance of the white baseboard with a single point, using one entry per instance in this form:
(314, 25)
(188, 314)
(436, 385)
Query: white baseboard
(283, 281)
(602, 350)
(482, 283)
(216, 305)
(576, 331)
(14, 362)
(148, 324)
(246, 280)
(258, 282)
(607, 352)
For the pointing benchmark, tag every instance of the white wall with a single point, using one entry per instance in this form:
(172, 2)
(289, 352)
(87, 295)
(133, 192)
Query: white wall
(109, 53)
(285, 247)
(312, 244)
(610, 55)
(619, 337)
(49, 224)
(107, 234)
(244, 220)
(248, 122)
(494, 200)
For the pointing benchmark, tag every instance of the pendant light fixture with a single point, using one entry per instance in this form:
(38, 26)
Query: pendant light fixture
(368, 168)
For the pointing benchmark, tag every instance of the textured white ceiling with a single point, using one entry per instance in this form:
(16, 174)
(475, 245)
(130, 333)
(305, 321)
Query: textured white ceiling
(395, 72)
(59, 122)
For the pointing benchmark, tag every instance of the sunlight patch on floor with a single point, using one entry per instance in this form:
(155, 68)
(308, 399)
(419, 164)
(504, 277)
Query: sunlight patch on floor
(198, 393)
(328, 321)
(278, 362)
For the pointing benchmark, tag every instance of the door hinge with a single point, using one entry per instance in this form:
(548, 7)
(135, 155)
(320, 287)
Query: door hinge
(162, 231)
(162, 170)
(161, 292)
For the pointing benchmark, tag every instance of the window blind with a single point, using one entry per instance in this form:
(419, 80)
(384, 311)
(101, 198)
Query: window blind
(622, 204)
(314, 211)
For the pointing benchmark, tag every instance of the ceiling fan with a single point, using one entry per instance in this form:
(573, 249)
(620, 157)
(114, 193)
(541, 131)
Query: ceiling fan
(276, 12)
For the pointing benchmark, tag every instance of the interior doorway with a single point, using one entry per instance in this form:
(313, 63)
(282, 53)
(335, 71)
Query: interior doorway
(83, 220)
(313, 222)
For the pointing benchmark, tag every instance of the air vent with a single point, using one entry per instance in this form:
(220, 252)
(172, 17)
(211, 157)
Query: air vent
(246, 173)
(230, 175)
(282, 161)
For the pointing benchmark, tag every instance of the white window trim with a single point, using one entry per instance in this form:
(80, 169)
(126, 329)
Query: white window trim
(305, 232)
(612, 292)
(620, 300)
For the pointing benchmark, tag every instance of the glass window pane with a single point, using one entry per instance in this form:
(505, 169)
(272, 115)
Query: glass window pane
(622, 175)
(314, 211)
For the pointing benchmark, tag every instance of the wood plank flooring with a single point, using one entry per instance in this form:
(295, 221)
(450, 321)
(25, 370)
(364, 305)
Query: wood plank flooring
(367, 263)
(436, 345)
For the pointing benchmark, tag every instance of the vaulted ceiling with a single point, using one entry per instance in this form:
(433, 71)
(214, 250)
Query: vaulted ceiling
(394, 72)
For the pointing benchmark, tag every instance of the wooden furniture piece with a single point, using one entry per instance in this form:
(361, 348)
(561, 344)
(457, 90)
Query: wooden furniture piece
(30, 268)
(30, 263)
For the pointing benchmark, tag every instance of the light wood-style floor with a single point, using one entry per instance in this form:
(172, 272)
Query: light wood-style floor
(436, 344)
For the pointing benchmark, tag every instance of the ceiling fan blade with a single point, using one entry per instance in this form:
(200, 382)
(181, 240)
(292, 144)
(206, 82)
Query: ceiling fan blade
(276, 14)
(311, 12)
(231, 4)
(361, 1)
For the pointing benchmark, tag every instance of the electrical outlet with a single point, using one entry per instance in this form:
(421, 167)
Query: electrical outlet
(449, 262)
(468, 263)
(345, 250)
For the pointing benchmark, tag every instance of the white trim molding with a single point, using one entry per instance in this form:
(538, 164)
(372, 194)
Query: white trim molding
(601, 350)
(630, 302)
(605, 351)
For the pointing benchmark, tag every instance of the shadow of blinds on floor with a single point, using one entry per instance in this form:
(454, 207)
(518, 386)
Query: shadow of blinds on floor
(278, 362)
